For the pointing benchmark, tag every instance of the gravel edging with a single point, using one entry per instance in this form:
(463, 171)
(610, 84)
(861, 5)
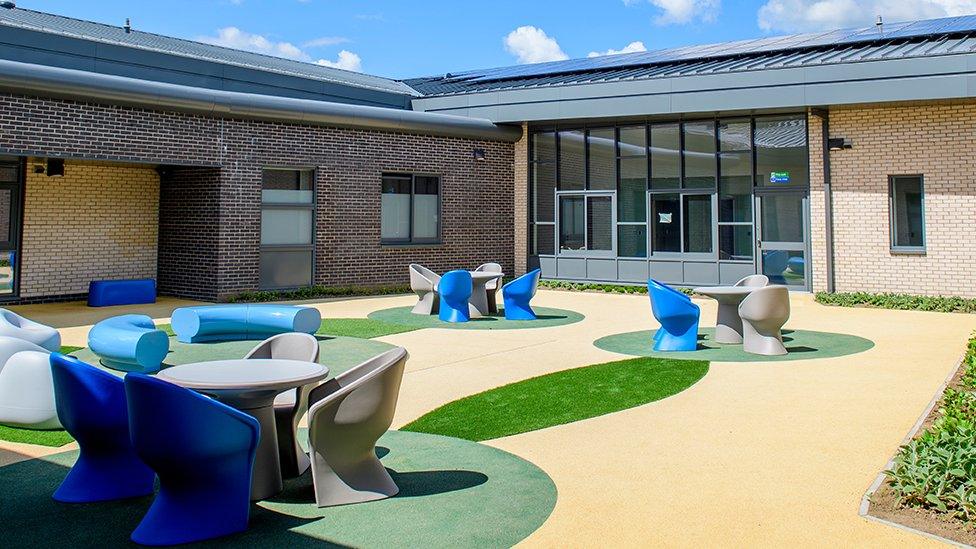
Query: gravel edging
(865, 508)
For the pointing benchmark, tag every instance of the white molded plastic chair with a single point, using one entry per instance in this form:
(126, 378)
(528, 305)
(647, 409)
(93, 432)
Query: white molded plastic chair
(423, 282)
(347, 416)
(14, 325)
(491, 287)
(26, 386)
(753, 281)
(291, 405)
(764, 312)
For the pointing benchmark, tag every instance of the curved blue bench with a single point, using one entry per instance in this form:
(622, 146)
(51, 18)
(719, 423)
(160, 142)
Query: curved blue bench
(237, 322)
(104, 293)
(130, 343)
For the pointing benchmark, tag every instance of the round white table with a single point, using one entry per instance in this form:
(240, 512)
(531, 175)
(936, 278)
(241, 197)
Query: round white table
(250, 385)
(728, 326)
(478, 304)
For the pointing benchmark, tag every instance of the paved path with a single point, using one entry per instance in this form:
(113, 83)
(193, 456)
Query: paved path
(770, 454)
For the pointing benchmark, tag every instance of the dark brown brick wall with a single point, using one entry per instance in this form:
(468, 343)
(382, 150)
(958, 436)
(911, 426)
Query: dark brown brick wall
(210, 218)
(188, 229)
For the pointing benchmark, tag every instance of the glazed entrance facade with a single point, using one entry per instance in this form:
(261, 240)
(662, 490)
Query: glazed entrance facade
(691, 202)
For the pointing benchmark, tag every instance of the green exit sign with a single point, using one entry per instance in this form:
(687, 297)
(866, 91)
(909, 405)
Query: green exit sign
(779, 177)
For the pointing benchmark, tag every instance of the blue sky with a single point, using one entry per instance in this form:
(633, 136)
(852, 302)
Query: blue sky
(404, 38)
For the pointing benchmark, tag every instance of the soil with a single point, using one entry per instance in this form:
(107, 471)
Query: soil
(885, 504)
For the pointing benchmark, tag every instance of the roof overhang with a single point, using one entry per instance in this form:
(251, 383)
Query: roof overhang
(48, 81)
(913, 79)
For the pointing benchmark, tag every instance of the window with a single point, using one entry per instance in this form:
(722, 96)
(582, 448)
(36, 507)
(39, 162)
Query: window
(907, 212)
(632, 192)
(571, 223)
(735, 234)
(287, 228)
(410, 209)
(665, 156)
(572, 161)
(781, 152)
(542, 215)
(603, 159)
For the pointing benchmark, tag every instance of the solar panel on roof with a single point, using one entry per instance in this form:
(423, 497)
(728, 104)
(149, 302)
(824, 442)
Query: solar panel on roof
(907, 29)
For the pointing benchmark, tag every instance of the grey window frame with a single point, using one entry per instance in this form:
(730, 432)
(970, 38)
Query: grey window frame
(410, 240)
(310, 206)
(893, 219)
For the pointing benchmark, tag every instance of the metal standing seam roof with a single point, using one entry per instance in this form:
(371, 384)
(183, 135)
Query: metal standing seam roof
(108, 34)
(947, 36)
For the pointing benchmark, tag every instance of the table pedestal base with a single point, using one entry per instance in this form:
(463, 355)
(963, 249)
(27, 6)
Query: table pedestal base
(266, 479)
(728, 327)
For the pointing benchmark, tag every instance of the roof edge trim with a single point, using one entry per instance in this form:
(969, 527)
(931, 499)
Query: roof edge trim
(75, 84)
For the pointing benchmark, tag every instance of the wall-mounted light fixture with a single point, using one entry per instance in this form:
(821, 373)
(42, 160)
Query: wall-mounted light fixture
(479, 155)
(55, 167)
(839, 143)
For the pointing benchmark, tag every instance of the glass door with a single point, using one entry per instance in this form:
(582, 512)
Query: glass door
(782, 226)
(9, 225)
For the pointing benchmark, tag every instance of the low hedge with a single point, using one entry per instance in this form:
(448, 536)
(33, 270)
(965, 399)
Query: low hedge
(598, 287)
(315, 292)
(899, 301)
(937, 470)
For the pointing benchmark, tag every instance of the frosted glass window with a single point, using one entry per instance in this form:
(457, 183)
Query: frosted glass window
(286, 227)
(286, 186)
(410, 209)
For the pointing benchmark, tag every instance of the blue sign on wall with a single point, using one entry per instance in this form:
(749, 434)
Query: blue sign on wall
(779, 177)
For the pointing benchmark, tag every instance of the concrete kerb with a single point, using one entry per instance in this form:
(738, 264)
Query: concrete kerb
(865, 508)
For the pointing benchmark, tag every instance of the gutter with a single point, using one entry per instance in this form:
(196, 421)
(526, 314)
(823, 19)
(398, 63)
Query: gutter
(83, 85)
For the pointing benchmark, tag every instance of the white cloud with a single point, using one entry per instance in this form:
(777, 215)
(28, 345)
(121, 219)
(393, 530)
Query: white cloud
(633, 47)
(325, 41)
(813, 15)
(684, 11)
(233, 37)
(347, 60)
(532, 45)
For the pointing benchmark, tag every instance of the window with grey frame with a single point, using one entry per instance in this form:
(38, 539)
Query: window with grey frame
(735, 219)
(586, 181)
(683, 175)
(907, 212)
(287, 228)
(542, 218)
(410, 209)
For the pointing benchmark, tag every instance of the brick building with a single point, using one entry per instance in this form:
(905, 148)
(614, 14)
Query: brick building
(829, 162)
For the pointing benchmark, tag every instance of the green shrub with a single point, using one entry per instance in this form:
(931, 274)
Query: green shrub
(937, 470)
(598, 287)
(899, 301)
(315, 292)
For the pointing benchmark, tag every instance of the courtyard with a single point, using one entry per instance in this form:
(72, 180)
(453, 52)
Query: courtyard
(753, 453)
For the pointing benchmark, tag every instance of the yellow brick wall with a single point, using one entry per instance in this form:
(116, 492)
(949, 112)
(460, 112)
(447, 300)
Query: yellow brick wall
(935, 140)
(818, 224)
(96, 222)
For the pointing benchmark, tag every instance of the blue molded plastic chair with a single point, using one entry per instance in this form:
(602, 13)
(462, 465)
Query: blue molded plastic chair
(660, 333)
(678, 317)
(203, 452)
(518, 293)
(91, 407)
(455, 290)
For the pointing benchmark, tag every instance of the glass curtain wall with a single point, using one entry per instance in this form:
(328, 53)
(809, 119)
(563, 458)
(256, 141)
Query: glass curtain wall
(670, 191)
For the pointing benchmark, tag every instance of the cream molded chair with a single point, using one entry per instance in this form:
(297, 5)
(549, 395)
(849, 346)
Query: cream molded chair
(764, 312)
(347, 416)
(423, 282)
(14, 325)
(26, 386)
(491, 287)
(291, 405)
(753, 281)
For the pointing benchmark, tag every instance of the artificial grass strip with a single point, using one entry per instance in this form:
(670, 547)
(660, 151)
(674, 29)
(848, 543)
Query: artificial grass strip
(168, 328)
(40, 438)
(68, 349)
(561, 397)
(363, 328)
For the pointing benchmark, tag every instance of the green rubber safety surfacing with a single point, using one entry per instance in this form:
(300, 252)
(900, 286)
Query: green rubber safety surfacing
(546, 317)
(453, 493)
(801, 344)
(338, 353)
